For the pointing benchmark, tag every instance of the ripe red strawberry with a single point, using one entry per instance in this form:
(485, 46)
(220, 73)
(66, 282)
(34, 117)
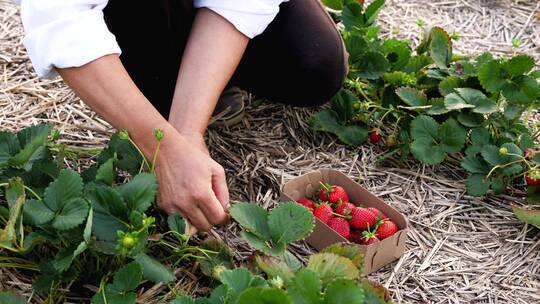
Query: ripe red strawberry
(323, 213)
(340, 226)
(376, 212)
(345, 208)
(307, 203)
(374, 136)
(332, 193)
(529, 154)
(362, 218)
(533, 177)
(386, 229)
(369, 238)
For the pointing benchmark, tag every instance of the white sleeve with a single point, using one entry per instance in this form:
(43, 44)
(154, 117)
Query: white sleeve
(249, 17)
(65, 33)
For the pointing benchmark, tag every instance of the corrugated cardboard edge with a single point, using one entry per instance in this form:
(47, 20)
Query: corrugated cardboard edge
(376, 255)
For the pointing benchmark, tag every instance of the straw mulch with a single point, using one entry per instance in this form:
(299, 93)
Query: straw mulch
(460, 249)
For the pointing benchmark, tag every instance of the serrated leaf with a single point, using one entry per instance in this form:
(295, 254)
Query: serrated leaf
(274, 267)
(449, 84)
(512, 170)
(37, 213)
(71, 214)
(140, 192)
(252, 217)
(474, 165)
(352, 16)
(154, 270)
(480, 136)
(110, 212)
(290, 222)
(31, 140)
(453, 101)
(398, 53)
(471, 120)
(342, 105)
(222, 256)
(519, 65)
(477, 185)
(372, 65)
(490, 76)
(331, 266)
(356, 45)
(292, 261)
(440, 47)
(237, 280)
(528, 216)
(9, 146)
(106, 172)
(481, 103)
(129, 158)
(127, 278)
(176, 223)
(256, 242)
(184, 300)
(327, 121)
(437, 107)
(260, 295)
(417, 63)
(343, 291)
(351, 252)
(498, 185)
(372, 11)
(305, 288)
(333, 4)
(111, 297)
(66, 187)
(412, 96)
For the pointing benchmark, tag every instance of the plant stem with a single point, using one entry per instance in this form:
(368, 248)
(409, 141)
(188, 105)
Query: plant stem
(145, 161)
(33, 192)
(154, 158)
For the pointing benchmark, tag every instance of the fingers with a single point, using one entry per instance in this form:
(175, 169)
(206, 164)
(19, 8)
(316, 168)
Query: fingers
(219, 186)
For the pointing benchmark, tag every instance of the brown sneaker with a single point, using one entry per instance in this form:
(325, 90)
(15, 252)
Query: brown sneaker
(229, 108)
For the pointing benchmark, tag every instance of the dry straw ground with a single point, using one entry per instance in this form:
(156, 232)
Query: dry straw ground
(460, 250)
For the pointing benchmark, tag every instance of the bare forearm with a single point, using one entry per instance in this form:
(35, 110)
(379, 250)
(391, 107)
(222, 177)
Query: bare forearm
(107, 88)
(212, 54)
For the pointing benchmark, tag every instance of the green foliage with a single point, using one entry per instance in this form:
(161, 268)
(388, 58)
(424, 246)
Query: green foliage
(435, 103)
(529, 216)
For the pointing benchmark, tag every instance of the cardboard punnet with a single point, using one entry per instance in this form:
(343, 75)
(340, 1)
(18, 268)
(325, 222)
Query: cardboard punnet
(376, 255)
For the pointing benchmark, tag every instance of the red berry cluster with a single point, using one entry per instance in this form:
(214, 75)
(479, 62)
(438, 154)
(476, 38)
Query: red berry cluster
(357, 224)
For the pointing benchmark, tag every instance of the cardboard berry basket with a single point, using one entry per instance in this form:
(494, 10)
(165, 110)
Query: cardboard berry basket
(376, 255)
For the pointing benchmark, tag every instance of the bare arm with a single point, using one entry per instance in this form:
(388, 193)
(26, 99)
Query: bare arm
(211, 56)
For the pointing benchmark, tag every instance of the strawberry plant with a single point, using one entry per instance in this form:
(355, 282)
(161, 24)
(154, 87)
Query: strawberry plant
(331, 276)
(431, 104)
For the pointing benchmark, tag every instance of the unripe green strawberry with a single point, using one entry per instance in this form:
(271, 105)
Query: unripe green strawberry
(362, 218)
(391, 141)
(324, 213)
(332, 194)
(341, 226)
(503, 151)
(386, 229)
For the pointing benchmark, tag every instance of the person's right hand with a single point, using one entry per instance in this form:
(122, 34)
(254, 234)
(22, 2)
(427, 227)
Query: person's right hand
(191, 182)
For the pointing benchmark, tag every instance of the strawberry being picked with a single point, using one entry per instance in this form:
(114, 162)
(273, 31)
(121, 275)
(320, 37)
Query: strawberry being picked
(386, 229)
(324, 213)
(533, 177)
(341, 226)
(332, 194)
(307, 203)
(362, 218)
(345, 208)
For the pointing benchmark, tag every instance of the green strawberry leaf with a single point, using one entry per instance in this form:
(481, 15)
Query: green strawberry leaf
(471, 120)
(129, 158)
(440, 47)
(259, 295)
(454, 101)
(327, 121)
(528, 216)
(154, 270)
(449, 84)
(177, 223)
(110, 212)
(31, 140)
(67, 186)
(15, 196)
(238, 280)
(351, 252)
(412, 96)
(305, 288)
(290, 222)
(127, 278)
(333, 4)
(352, 16)
(106, 173)
(473, 164)
(343, 291)
(9, 297)
(518, 65)
(9, 146)
(481, 103)
(372, 11)
(37, 213)
(342, 105)
(372, 65)
(222, 256)
(490, 75)
(477, 185)
(274, 267)
(498, 185)
(437, 107)
(398, 53)
(330, 266)
(431, 141)
(71, 214)
(356, 45)
(111, 297)
(140, 192)
(533, 194)
(253, 219)
(417, 63)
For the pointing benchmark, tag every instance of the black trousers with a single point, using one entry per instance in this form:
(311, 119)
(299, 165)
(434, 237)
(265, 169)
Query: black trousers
(299, 59)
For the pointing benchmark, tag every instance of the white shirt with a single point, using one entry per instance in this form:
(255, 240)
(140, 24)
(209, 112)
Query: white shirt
(71, 33)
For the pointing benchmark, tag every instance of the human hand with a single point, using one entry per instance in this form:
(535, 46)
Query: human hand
(191, 182)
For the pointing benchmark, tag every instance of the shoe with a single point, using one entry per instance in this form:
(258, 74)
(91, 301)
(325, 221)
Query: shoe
(229, 109)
